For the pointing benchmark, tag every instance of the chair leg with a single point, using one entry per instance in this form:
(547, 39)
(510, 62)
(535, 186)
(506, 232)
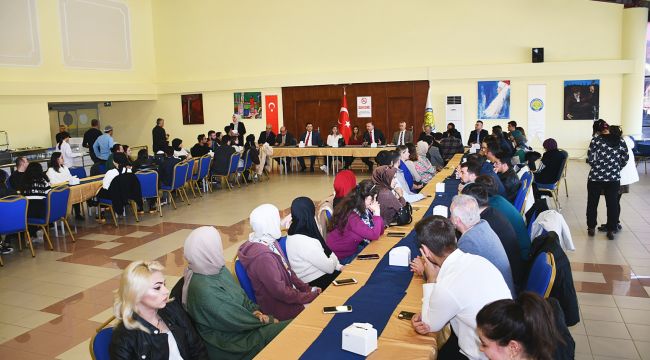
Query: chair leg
(65, 221)
(28, 240)
(135, 210)
(159, 205)
(186, 197)
(114, 217)
(47, 236)
(171, 198)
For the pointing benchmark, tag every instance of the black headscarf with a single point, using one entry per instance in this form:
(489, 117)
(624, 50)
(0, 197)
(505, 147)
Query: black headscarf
(303, 221)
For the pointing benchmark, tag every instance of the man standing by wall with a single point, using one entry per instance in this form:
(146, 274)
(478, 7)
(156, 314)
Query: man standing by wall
(159, 136)
(90, 136)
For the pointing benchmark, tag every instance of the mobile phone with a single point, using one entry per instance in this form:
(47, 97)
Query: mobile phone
(337, 309)
(396, 234)
(368, 257)
(405, 315)
(339, 282)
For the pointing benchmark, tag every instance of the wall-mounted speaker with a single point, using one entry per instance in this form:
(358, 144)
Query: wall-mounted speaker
(538, 55)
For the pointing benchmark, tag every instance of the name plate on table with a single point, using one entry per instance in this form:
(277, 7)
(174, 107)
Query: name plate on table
(359, 338)
(301, 145)
(440, 210)
(399, 256)
(373, 145)
(440, 187)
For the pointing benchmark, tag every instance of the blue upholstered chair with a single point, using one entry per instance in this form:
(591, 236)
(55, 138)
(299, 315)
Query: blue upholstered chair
(542, 275)
(189, 175)
(178, 180)
(244, 280)
(13, 211)
(232, 170)
(283, 245)
(108, 204)
(57, 209)
(204, 170)
(554, 189)
(149, 186)
(101, 341)
(79, 172)
(520, 199)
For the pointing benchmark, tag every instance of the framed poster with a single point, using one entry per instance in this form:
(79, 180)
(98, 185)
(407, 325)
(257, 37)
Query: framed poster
(364, 106)
(581, 99)
(248, 105)
(494, 99)
(192, 107)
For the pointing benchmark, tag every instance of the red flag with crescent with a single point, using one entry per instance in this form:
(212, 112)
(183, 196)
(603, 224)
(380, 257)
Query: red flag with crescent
(344, 119)
(272, 111)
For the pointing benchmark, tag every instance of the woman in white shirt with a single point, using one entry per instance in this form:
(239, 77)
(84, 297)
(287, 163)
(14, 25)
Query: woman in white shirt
(333, 140)
(64, 147)
(58, 174)
(179, 151)
(121, 167)
(309, 256)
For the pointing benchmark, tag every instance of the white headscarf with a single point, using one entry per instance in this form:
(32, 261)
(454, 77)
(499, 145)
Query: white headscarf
(265, 223)
(204, 254)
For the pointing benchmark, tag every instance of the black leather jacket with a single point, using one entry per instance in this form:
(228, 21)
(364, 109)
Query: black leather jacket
(137, 344)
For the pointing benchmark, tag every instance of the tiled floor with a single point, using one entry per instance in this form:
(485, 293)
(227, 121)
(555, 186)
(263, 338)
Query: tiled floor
(51, 305)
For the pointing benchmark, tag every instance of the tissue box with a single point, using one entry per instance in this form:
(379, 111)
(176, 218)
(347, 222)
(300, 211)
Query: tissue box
(360, 338)
(440, 210)
(399, 256)
(301, 144)
(440, 187)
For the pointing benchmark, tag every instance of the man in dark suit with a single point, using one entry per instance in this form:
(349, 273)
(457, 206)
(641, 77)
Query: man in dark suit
(309, 138)
(451, 131)
(402, 136)
(267, 136)
(372, 135)
(159, 136)
(237, 128)
(478, 134)
(284, 138)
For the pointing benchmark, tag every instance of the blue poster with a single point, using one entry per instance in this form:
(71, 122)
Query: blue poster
(494, 99)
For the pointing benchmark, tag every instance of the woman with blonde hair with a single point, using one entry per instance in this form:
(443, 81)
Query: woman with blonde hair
(152, 326)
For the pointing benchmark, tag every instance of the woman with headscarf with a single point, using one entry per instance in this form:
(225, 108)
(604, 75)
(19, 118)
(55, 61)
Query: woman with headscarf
(179, 150)
(551, 163)
(390, 198)
(231, 326)
(343, 183)
(422, 164)
(278, 289)
(521, 146)
(309, 256)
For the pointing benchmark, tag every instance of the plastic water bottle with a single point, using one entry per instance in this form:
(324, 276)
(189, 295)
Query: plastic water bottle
(39, 236)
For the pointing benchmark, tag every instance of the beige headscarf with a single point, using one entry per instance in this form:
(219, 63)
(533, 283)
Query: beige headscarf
(422, 148)
(204, 254)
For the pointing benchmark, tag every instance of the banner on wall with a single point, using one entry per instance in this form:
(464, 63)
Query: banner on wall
(364, 106)
(272, 111)
(536, 111)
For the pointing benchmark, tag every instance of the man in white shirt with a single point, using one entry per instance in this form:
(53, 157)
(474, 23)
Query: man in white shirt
(402, 136)
(458, 286)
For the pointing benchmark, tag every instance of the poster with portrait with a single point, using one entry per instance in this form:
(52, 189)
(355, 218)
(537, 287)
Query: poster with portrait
(494, 99)
(581, 99)
(248, 105)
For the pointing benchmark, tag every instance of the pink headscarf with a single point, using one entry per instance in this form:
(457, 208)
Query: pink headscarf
(204, 254)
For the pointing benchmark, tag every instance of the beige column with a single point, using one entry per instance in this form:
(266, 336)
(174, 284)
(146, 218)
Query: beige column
(635, 22)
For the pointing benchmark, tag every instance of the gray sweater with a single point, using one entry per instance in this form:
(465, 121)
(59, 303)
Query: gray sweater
(481, 240)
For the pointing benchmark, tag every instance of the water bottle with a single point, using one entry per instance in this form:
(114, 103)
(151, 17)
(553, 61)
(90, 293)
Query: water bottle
(39, 236)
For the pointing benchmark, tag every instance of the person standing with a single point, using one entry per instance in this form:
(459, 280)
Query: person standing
(159, 136)
(237, 128)
(90, 136)
(403, 136)
(607, 155)
(103, 145)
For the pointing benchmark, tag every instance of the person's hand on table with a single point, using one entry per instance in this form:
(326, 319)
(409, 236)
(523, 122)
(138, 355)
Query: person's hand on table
(418, 186)
(316, 289)
(417, 266)
(420, 326)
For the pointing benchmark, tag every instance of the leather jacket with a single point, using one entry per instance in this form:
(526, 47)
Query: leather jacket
(137, 344)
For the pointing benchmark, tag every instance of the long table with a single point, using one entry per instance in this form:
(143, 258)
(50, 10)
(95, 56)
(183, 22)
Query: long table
(398, 339)
(85, 190)
(355, 151)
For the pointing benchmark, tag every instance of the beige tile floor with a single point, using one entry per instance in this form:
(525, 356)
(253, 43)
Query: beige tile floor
(70, 288)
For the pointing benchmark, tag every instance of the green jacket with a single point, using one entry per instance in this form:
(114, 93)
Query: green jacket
(223, 316)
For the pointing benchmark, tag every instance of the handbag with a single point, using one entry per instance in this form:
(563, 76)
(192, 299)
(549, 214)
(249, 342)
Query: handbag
(403, 216)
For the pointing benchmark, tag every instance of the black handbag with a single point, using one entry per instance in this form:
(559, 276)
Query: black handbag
(404, 216)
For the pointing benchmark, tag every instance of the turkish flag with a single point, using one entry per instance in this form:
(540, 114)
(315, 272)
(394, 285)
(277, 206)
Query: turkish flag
(344, 120)
(272, 111)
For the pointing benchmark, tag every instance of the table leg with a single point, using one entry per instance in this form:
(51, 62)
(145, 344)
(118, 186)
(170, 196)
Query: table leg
(327, 163)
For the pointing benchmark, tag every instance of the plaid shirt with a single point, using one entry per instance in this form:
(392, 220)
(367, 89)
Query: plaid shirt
(449, 147)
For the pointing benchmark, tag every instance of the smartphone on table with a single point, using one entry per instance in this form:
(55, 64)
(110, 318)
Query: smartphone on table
(337, 309)
(340, 282)
(405, 315)
(368, 257)
(396, 234)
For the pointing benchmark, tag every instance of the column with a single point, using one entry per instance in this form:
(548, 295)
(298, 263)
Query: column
(635, 22)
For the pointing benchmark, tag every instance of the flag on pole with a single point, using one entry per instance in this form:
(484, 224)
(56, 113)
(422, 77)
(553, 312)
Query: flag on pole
(344, 119)
(428, 112)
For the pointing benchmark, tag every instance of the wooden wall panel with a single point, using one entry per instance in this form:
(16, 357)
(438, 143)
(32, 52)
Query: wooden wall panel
(392, 102)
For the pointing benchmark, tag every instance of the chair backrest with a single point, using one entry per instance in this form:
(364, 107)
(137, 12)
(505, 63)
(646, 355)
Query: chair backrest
(283, 245)
(190, 169)
(234, 163)
(100, 343)
(542, 275)
(180, 174)
(520, 199)
(102, 168)
(249, 160)
(530, 224)
(57, 200)
(565, 162)
(204, 167)
(244, 281)
(148, 183)
(14, 214)
(245, 155)
(79, 172)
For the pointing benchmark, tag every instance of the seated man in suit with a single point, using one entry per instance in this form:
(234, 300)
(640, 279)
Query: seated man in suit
(402, 136)
(221, 159)
(284, 138)
(478, 134)
(166, 169)
(426, 135)
(267, 136)
(309, 138)
(372, 135)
